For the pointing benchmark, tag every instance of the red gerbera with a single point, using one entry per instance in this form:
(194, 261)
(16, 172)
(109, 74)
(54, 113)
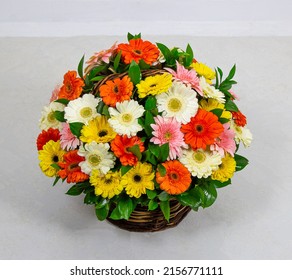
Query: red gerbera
(71, 169)
(120, 147)
(202, 130)
(177, 178)
(138, 49)
(47, 135)
(72, 86)
(239, 118)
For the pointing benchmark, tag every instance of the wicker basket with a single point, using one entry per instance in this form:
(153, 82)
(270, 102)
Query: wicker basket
(143, 220)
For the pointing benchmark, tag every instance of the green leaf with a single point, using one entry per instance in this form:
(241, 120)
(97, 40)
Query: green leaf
(165, 51)
(231, 73)
(164, 152)
(105, 111)
(136, 151)
(130, 36)
(220, 73)
(75, 190)
(96, 70)
(102, 213)
(97, 78)
(143, 65)
(161, 170)
(190, 198)
(59, 115)
(56, 166)
(125, 169)
(223, 120)
(217, 112)
(76, 128)
(165, 208)
(134, 73)
(150, 103)
(99, 107)
(151, 193)
(152, 205)
(149, 119)
(208, 195)
(116, 215)
(231, 106)
(117, 60)
(56, 180)
(150, 157)
(90, 198)
(154, 149)
(80, 67)
(189, 56)
(62, 101)
(101, 202)
(163, 196)
(125, 207)
(241, 162)
(217, 184)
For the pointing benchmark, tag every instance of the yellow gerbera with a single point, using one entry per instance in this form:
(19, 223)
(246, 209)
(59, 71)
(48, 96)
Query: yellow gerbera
(108, 185)
(205, 71)
(154, 85)
(98, 130)
(50, 154)
(211, 104)
(138, 179)
(226, 169)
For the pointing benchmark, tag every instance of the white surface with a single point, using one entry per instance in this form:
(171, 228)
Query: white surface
(250, 219)
(169, 17)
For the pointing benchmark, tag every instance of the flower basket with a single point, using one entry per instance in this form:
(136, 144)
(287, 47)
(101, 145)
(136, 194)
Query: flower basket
(145, 133)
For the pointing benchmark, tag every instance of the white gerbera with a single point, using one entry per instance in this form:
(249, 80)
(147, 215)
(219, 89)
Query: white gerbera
(242, 134)
(200, 163)
(210, 91)
(48, 119)
(82, 109)
(124, 119)
(179, 101)
(97, 157)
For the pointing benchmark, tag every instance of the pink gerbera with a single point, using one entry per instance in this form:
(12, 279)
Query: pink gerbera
(68, 140)
(55, 93)
(167, 130)
(188, 77)
(225, 142)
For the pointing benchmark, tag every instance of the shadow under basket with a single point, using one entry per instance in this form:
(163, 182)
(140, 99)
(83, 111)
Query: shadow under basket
(142, 220)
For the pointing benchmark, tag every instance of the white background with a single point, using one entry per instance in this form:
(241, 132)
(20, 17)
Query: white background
(250, 219)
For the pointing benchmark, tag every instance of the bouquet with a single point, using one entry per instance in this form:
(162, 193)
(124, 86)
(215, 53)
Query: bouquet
(143, 125)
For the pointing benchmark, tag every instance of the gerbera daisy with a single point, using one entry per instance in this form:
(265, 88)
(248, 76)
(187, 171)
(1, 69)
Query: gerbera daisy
(188, 77)
(68, 140)
(211, 92)
(71, 169)
(154, 85)
(226, 169)
(177, 179)
(98, 130)
(179, 101)
(200, 163)
(124, 119)
(50, 154)
(72, 86)
(48, 119)
(138, 179)
(120, 147)
(97, 156)
(205, 71)
(202, 130)
(211, 104)
(47, 135)
(138, 49)
(242, 134)
(167, 130)
(116, 90)
(239, 118)
(225, 142)
(108, 185)
(55, 93)
(82, 109)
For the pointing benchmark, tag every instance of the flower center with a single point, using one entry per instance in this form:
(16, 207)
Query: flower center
(174, 104)
(199, 157)
(102, 133)
(55, 159)
(167, 136)
(138, 52)
(86, 112)
(108, 181)
(116, 89)
(68, 87)
(127, 117)
(199, 128)
(73, 166)
(51, 117)
(174, 176)
(94, 160)
(137, 178)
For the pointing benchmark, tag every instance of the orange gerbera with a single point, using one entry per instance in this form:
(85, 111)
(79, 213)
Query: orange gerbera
(202, 130)
(138, 49)
(117, 90)
(47, 135)
(177, 179)
(72, 86)
(239, 118)
(71, 169)
(120, 147)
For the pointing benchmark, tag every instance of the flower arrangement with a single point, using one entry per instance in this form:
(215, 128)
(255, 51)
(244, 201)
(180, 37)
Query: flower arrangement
(143, 125)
